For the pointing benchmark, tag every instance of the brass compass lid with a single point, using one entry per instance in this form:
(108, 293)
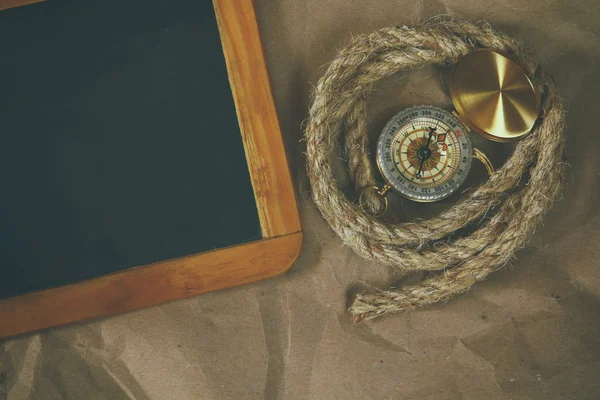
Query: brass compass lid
(494, 96)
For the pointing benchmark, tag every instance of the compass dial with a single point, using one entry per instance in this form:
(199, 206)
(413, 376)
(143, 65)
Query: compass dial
(424, 153)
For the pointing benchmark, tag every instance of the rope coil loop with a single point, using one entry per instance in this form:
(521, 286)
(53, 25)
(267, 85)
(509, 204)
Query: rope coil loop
(340, 100)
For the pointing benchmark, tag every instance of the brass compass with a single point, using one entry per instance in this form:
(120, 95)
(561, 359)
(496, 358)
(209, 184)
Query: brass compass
(424, 153)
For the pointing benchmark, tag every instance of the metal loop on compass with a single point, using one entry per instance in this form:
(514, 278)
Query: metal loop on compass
(478, 154)
(381, 194)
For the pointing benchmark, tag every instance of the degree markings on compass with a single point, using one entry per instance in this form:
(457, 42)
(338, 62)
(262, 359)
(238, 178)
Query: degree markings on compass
(394, 157)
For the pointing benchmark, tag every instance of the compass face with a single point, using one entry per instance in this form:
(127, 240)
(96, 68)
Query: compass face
(424, 153)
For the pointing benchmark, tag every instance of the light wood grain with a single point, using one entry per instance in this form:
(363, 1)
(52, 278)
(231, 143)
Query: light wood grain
(4, 4)
(265, 152)
(149, 285)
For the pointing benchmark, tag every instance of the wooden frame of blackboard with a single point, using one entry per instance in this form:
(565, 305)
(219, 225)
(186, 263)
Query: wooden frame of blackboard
(4, 4)
(192, 275)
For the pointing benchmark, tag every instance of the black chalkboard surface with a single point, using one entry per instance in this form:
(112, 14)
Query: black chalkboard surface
(120, 143)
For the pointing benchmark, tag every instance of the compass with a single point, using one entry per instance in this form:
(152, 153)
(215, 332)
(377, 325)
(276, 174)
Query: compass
(424, 153)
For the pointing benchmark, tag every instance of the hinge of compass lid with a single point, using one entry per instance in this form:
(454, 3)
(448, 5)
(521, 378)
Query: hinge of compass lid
(455, 113)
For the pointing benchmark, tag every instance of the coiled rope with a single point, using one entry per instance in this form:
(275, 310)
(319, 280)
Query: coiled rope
(339, 105)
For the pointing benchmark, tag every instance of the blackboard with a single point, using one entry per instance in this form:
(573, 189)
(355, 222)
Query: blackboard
(120, 141)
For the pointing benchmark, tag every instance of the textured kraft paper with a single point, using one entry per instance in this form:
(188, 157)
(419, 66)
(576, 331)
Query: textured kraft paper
(530, 331)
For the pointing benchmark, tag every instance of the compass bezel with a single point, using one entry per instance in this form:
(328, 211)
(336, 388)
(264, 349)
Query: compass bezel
(393, 175)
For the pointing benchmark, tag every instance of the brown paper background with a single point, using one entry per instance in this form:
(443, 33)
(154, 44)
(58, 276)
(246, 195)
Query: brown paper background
(530, 331)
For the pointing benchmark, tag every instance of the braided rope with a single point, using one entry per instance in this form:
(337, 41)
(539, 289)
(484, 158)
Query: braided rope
(340, 104)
